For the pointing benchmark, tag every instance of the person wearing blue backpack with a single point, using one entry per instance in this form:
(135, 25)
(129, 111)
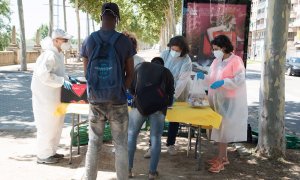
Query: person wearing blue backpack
(108, 66)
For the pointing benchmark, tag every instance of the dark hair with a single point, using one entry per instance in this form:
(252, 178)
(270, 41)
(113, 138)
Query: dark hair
(223, 42)
(179, 41)
(158, 60)
(132, 39)
(112, 7)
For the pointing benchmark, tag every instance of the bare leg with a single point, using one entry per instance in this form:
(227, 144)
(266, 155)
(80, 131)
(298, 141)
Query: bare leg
(222, 151)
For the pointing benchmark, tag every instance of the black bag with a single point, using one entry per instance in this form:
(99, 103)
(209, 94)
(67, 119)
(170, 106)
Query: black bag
(77, 94)
(150, 99)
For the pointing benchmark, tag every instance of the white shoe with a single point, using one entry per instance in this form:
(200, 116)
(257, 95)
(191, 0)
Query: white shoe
(171, 150)
(148, 153)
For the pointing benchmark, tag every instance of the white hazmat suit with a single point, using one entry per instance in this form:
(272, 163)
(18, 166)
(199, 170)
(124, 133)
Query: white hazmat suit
(47, 80)
(230, 100)
(181, 68)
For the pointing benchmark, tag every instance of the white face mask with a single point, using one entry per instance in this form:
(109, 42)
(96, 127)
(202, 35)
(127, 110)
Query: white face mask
(175, 54)
(218, 54)
(65, 46)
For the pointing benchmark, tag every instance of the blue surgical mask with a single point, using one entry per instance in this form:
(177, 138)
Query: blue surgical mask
(175, 54)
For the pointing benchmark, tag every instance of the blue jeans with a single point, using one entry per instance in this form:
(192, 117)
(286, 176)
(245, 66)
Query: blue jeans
(117, 115)
(136, 121)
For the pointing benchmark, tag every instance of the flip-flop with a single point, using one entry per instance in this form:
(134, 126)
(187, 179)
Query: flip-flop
(217, 167)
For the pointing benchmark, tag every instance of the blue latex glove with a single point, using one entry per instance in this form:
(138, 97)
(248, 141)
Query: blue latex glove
(200, 75)
(67, 85)
(217, 84)
(129, 98)
(73, 80)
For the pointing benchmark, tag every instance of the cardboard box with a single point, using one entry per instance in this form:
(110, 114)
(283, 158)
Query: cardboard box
(78, 94)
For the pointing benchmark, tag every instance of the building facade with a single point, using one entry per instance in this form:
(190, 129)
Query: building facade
(258, 22)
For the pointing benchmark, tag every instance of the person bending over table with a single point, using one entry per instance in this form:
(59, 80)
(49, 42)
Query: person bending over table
(145, 74)
(177, 60)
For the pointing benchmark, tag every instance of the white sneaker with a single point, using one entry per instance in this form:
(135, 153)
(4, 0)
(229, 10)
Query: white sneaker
(148, 153)
(171, 150)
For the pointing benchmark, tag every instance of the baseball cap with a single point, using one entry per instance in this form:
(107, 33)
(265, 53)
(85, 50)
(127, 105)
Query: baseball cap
(59, 33)
(110, 8)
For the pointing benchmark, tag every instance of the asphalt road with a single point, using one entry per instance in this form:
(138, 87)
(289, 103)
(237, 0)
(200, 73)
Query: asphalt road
(292, 97)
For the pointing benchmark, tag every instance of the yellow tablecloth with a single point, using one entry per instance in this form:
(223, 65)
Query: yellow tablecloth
(181, 112)
(65, 108)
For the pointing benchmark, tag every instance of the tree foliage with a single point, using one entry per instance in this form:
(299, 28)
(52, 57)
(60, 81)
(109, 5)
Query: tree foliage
(144, 18)
(5, 29)
(44, 29)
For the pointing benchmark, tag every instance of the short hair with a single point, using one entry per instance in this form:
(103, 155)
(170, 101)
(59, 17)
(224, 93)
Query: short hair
(223, 41)
(158, 60)
(181, 42)
(132, 39)
(111, 7)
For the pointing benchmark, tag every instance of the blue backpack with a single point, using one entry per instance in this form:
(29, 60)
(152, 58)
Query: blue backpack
(105, 76)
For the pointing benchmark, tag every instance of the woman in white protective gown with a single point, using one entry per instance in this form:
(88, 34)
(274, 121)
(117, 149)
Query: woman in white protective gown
(227, 95)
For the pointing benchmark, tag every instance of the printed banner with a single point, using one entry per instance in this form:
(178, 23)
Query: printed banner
(204, 21)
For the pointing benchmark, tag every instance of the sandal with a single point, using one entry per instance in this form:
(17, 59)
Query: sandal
(216, 167)
(213, 161)
(225, 161)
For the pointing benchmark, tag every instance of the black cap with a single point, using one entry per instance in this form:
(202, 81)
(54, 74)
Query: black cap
(111, 7)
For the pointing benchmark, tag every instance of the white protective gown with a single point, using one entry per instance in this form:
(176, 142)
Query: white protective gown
(47, 80)
(181, 68)
(230, 100)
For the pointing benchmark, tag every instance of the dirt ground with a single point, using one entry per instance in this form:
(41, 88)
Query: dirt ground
(18, 161)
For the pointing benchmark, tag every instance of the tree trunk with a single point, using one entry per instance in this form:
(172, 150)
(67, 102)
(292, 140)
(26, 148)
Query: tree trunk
(23, 39)
(172, 18)
(168, 34)
(93, 24)
(87, 24)
(65, 15)
(162, 39)
(50, 18)
(78, 29)
(271, 142)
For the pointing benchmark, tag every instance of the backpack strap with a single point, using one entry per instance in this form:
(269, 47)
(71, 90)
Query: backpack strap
(114, 38)
(97, 37)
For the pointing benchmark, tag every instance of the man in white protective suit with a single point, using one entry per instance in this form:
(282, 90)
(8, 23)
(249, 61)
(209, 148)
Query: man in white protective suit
(47, 80)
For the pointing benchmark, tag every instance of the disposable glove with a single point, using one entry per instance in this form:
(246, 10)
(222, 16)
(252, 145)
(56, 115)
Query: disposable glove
(217, 84)
(200, 75)
(73, 80)
(67, 85)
